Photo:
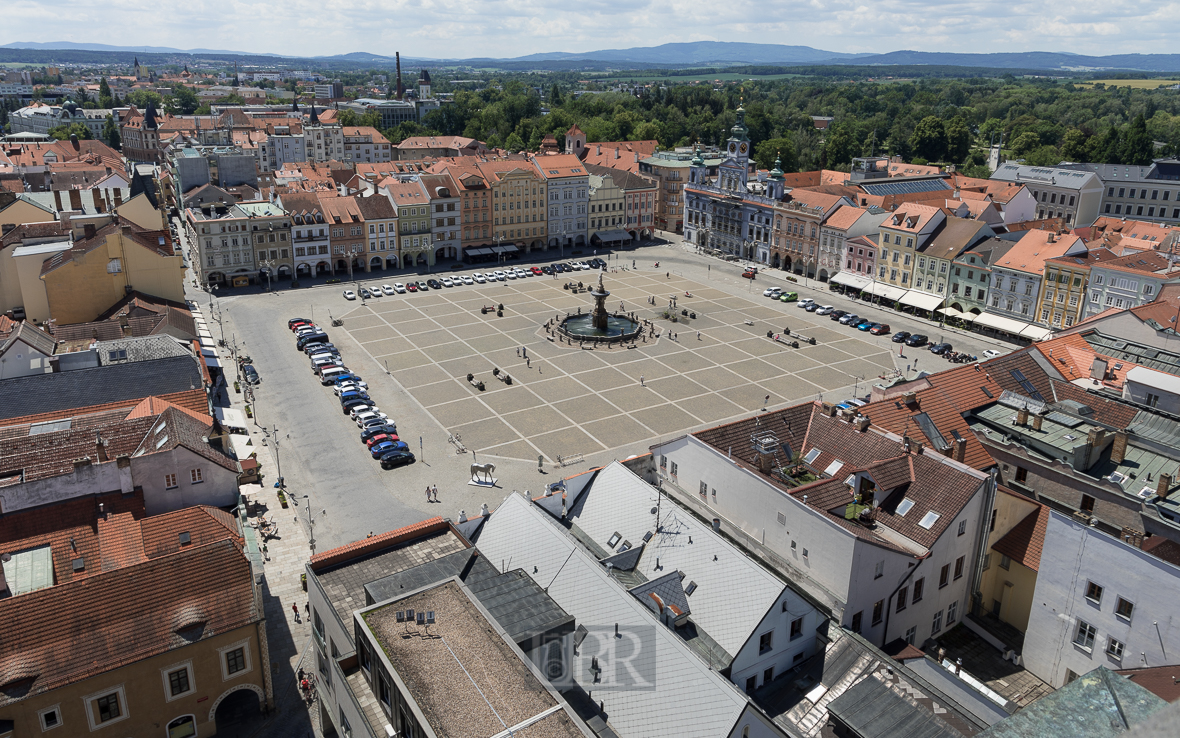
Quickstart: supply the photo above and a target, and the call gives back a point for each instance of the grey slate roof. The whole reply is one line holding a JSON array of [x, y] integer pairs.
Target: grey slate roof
[[44, 393], [144, 348], [669, 588], [873, 710]]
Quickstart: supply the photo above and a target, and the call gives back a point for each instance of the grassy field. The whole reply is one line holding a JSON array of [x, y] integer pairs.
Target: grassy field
[[1141, 84], [730, 77]]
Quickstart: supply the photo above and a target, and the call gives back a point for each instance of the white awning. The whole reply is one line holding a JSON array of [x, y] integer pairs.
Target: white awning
[[850, 279], [241, 446], [1008, 325], [230, 417], [1035, 332], [884, 290], [950, 312], [616, 235], [923, 300]]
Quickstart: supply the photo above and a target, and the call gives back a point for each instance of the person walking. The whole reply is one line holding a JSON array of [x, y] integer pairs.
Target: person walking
[[524, 351], [698, 335], [428, 493], [434, 489], [295, 609], [641, 384]]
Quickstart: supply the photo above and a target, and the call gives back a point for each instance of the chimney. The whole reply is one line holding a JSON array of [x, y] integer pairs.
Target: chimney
[[599, 151], [1161, 488], [1095, 438], [1052, 237], [1118, 451], [400, 90], [910, 399], [57, 200], [829, 409], [862, 423], [1022, 416], [88, 230], [100, 448], [765, 461], [75, 200], [960, 449], [1037, 420]]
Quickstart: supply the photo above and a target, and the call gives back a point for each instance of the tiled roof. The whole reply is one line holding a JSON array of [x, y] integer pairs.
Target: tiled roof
[[160, 534], [1023, 543], [844, 218], [938, 485], [31, 336], [158, 242], [80, 388], [1162, 681], [376, 208], [628, 181], [192, 401], [325, 560], [178, 427], [1163, 548], [955, 236], [819, 200], [46, 455], [124, 615], [45, 231], [1030, 252]]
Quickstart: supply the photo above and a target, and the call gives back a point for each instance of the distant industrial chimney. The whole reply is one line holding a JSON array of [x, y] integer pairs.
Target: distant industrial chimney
[[401, 91]]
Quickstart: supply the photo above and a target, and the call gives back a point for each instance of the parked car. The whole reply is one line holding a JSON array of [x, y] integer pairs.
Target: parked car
[[251, 373], [939, 349], [315, 338], [294, 322], [900, 336], [837, 314], [812, 306], [380, 449], [365, 293], [389, 289], [434, 284], [377, 430], [399, 288], [805, 302], [447, 282], [347, 406], [547, 270], [770, 292], [316, 348], [847, 319], [349, 295], [558, 268], [788, 297], [371, 419], [859, 322], [395, 459], [412, 287], [865, 325], [376, 438], [749, 274], [825, 310], [467, 280], [917, 340], [992, 353], [879, 329], [479, 278]]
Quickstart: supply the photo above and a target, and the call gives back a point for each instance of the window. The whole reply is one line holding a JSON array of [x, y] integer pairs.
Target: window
[[170, 481], [962, 527], [878, 611], [108, 707], [911, 635], [902, 595], [951, 612], [235, 660], [1087, 503], [705, 491], [1114, 649], [178, 682], [765, 642], [1094, 592], [880, 572], [673, 468], [50, 718], [1085, 635], [959, 567], [856, 619], [944, 576], [1124, 608], [796, 628], [936, 624], [195, 475], [918, 587], [1005, 562]]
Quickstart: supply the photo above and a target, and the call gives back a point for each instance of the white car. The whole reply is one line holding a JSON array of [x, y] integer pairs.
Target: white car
[[349, 295], [992, 353], [447, 282], [399, 288], [467, 280], [343, 387], [366, 417], [359, 383], [825, 310], [804, 302], [388, 289], [499, 276], [770, 291], [521, 274], [479, 278], [510, 274], [360, 409]]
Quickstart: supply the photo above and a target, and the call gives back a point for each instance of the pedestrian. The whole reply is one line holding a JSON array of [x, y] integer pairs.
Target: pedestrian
[[434, 489], [265, 553], [518, 351], [698, 335], [524, 351], [307, 608], [295, 609], [428, 493], [641, 384], [528, 362]]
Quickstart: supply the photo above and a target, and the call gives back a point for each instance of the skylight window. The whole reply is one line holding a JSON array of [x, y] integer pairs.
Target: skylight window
[[162, 441], [904, 507], [833, 467], [929, 520], [811, 456], [614, 540]]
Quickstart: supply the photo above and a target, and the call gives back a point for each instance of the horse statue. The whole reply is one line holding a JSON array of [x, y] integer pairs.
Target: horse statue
[[486, 469]]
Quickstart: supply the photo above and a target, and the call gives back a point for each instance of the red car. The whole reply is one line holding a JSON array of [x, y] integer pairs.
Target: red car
[[879, 329], [749, 274], [536, 271], [298, 323], [380, 437], [412, 286]]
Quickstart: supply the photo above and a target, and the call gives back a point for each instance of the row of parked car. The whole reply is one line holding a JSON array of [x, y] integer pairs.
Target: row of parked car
[[369, 292], [378, 431]]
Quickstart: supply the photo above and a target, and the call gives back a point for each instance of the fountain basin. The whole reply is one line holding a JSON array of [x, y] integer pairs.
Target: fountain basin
[[581, 328]]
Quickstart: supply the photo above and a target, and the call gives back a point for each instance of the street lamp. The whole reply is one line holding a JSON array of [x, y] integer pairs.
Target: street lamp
[[266, 265], [311, 518]]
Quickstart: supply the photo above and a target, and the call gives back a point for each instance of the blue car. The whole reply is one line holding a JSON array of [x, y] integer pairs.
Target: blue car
[[867, 325], [380, 449]]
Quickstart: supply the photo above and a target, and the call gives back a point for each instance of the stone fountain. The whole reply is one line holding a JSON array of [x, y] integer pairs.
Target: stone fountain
[[600, 325]]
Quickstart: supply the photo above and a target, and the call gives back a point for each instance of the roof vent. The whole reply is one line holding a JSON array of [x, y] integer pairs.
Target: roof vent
[[185, 539], [79, 564]]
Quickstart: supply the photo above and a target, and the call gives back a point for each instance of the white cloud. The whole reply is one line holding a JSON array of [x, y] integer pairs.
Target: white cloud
[[458, 29]]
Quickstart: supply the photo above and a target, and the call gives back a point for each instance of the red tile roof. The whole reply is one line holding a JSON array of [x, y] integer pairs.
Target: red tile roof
[[377, 544], [1162, 681], [1023, 543]]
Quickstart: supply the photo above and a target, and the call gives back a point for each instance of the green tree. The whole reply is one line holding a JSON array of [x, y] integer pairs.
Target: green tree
[[781, 148], [979, 171], [929, 139], [513, 142], [141, 98], [840, 146], [104, 90], [182, 101], [1025, 143], [1075, 145], [110, 133], [1044, 156], [1137, 146], [958, 140], [63, 133], [1106, 148]]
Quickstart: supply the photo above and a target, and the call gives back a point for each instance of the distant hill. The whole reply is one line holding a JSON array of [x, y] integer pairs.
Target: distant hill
[[1047, 60], [71, 46], [700, 52]]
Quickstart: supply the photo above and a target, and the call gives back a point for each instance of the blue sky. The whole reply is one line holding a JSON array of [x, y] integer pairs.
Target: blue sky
[[509, 28]]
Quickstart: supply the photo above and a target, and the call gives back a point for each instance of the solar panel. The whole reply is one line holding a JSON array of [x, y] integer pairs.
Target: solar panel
[[1026, 385], [1067, 420], [902, 186]]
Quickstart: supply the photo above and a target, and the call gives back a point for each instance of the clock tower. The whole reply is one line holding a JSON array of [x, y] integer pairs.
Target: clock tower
[[735, 170]]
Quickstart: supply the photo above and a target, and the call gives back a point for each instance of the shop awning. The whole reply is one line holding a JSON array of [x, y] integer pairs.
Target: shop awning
[[617, 235], [1000, 323], [922, 300], [850, 279], [212, 361], [950, 312], [230, 417], [1035, 332], [883, 290]]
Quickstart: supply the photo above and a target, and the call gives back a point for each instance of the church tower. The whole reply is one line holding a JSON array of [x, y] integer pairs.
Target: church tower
[[774, 184], [698, 173], [424, 85], [735, 170]]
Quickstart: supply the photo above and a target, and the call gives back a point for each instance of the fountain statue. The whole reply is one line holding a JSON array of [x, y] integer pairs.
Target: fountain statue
[[599, 325]]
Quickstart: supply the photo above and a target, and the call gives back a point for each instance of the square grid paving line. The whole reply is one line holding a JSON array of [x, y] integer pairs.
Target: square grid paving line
[[718, 329]]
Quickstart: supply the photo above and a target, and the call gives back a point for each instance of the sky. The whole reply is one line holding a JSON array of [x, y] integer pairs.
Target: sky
[[456, 29]]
